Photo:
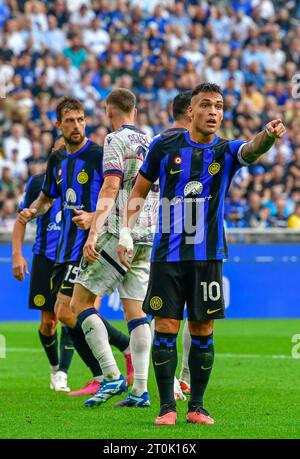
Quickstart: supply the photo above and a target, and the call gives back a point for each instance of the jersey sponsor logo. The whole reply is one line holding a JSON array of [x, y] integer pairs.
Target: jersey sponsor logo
[[156, 303], [177, 160], [71, 199], [179, 199], [214, 168], [193, 188], [212, 311], [82, 177], [176, 172], [39, 300], [71, 196], [55, 226], [58, 217]]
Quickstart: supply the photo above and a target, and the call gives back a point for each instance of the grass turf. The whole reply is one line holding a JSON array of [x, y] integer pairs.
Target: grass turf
[[251, 394]]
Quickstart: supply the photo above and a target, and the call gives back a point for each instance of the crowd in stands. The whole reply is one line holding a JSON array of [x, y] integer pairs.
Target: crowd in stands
[[156, 48]]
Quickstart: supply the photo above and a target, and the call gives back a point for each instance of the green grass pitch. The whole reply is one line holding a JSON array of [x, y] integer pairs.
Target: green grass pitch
[[254, 391]]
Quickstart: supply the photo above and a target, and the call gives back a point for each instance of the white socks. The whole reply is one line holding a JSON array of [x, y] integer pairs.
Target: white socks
[[140, 345], [97, 338], [186, 344]]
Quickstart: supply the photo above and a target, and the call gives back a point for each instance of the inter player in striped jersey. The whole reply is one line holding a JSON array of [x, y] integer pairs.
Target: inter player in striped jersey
[[195, 169], [182, 122], [101, 272], [74, 174], [40, 296]]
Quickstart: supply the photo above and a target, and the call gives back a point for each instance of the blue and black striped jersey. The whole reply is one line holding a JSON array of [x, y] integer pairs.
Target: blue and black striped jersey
[[76, 178], [48, 225], [194, 179]]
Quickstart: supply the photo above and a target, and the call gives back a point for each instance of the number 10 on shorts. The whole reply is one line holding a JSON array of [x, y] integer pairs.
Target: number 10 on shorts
[[211, 291]]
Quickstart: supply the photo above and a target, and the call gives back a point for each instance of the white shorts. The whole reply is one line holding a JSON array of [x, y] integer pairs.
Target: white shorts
[[107, 273]]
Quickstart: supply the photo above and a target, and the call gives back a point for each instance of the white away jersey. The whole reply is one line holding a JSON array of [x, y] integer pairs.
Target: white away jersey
[[124, 154]]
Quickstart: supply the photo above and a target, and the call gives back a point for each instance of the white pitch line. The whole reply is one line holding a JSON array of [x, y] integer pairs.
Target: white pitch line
[[254, 356], [222, 355]]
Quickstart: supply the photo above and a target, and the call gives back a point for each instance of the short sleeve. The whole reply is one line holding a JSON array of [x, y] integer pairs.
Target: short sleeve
[[151, 167], [113, 156], [30, 194], [236, 147], [50, 187]]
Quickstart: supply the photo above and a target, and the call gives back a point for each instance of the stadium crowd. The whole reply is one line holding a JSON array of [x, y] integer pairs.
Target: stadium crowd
[[156, 48]]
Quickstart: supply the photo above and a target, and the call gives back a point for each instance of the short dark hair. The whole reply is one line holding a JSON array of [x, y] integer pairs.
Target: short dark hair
[[207, 87], [123, 99], [68, 103], [181, 103]]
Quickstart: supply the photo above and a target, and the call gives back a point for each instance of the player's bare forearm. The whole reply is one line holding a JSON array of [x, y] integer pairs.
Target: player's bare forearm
[[42, 204], [263, 141], [106, 201], [18, 238], [19, 263], [136, 201], [39, 207]]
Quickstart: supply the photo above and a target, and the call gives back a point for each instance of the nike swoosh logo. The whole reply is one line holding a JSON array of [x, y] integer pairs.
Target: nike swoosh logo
[[65, 287], [59, 181], [161, 363], [211, 311], [69, 348], [205, 368], [176, 172], [49, 345]]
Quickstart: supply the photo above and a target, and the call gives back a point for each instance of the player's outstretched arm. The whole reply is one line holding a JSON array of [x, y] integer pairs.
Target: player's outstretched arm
[[19, 262], [39, 207], [263, 141], [134, 207]]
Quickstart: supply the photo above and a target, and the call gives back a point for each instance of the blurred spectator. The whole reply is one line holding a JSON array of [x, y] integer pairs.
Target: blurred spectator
[[279, 219], [76, 53], [264, 220], [252, 214], [8, 183], [17, 141], [167, 93], [235, 209], [8, 214]]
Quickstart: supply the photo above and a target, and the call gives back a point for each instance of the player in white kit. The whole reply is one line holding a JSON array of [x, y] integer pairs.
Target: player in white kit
[[101, 271]]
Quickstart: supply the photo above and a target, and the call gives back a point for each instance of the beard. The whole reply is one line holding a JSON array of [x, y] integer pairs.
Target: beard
[[71, 141]]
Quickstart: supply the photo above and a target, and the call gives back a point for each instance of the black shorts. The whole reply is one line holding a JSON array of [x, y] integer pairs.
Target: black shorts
[[40, 295], [198, 284], [63, 278]]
